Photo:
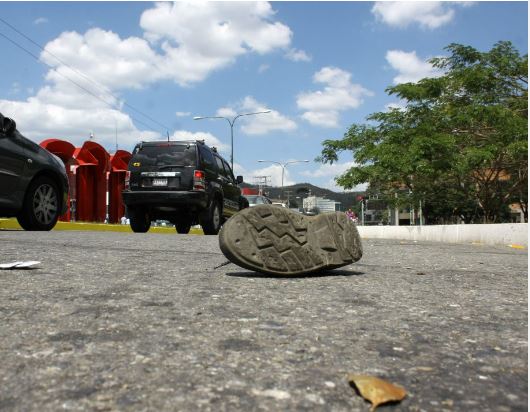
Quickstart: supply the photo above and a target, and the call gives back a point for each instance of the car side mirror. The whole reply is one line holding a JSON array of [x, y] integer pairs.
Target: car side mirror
[[8, 126], [239, 180]]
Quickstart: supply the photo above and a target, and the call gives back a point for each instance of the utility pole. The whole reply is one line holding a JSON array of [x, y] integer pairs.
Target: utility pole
[[288, 197], [283, 166], [261, 181]]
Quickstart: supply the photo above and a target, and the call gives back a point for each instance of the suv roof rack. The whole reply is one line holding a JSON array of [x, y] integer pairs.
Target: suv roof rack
[[150, 142]]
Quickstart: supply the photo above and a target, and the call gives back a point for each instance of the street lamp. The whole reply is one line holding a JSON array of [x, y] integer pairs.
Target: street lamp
[[230, 121], [283, 165]]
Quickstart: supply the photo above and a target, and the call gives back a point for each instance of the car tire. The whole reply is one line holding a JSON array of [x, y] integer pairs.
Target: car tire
[[183, 226], [140, 220], [211, 219], [243, 203], [41, 207]]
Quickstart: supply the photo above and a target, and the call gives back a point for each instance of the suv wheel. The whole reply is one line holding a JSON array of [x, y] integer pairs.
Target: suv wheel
[[183, 226], [211, 220], [140, 220], [40, 210]]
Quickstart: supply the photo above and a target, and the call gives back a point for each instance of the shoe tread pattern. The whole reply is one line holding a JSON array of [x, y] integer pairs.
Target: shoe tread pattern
[[280, 241]]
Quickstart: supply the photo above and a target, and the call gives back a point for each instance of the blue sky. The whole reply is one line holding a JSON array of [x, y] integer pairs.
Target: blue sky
[[145, 68]]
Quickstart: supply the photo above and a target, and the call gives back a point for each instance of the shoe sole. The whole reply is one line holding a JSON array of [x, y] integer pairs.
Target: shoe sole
[[278, 241]]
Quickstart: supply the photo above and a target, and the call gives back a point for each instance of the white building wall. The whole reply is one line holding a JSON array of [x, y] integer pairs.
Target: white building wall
[[324, 205], [491, 234]]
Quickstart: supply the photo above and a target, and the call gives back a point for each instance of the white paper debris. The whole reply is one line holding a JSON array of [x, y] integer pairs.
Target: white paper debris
[[19, 264]]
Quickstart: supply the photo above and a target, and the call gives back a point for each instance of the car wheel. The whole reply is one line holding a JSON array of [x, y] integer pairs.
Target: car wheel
[[243, 203], [140, 220], [183, 226], [41, 207], [211, 221]]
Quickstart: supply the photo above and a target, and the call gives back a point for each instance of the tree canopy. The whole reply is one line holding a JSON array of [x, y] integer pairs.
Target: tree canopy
[[459, 144]]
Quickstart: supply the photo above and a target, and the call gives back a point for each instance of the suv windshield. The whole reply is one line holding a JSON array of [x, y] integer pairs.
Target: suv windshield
[[166, 155]]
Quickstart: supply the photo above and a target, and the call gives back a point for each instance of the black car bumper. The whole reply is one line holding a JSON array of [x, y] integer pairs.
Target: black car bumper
[[187, 199]]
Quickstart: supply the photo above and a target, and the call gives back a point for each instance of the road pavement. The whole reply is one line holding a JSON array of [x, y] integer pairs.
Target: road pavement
[[144, 322]]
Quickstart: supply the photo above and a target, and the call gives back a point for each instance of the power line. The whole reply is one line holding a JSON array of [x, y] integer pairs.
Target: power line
[[99, 86]]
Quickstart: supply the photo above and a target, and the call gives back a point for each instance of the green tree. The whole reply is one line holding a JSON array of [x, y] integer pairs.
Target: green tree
[[459, 145]]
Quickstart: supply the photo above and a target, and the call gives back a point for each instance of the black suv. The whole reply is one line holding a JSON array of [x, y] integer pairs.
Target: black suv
[[184, 182], [33, 182]]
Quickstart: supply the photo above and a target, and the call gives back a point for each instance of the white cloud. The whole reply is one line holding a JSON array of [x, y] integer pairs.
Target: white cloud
[[39, 121], [410, 67], [241, 171], [322, 107], [40, 20], [334, 169], [297, 56], [226, 112], [182, 114], [104, 64], [104, 58], [259, 124], [428, 14], [263, 68], [332, 185], [209, 138], [325, 119], [227, 30]]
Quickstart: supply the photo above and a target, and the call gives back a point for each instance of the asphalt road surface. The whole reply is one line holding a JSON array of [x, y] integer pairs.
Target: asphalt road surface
[[145, 322]]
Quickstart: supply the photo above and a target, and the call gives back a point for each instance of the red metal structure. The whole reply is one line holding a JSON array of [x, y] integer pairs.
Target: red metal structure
[[249, 191], [116, 183], [96, 180], [92, 186], [84, 171]]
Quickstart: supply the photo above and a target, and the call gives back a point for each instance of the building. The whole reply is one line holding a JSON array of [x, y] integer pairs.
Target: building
[[315, 204]]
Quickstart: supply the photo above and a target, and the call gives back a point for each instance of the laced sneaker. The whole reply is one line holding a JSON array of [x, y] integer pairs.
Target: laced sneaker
[[278, 241]]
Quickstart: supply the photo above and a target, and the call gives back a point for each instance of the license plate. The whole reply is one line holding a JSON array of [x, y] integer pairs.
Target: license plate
[[159, 182]]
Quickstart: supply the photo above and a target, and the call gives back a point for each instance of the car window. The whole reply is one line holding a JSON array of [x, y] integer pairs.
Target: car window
[[165, 155], [207, 158], [220, 166], [229, 173]]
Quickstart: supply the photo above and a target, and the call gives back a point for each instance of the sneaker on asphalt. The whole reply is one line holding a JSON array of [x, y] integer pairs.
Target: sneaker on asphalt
[[278, 241]]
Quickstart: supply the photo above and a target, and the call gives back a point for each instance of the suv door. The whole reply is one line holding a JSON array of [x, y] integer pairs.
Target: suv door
[[234, 192], [208, 165], [230, 189], [13, 159]]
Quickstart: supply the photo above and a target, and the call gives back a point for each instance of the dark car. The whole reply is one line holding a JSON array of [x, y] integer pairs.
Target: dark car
[[33, 182], [184, 182], [254, 200]]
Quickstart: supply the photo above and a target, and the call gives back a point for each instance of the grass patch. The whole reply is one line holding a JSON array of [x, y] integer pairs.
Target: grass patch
[[12, 224]]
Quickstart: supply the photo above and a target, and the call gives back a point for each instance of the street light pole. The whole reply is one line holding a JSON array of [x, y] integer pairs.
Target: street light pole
[[231, 122], [283, 165]]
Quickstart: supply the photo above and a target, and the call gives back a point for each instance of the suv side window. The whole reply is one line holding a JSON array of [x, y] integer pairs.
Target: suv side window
[[207, 158], [220, 166], [229, 173]]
